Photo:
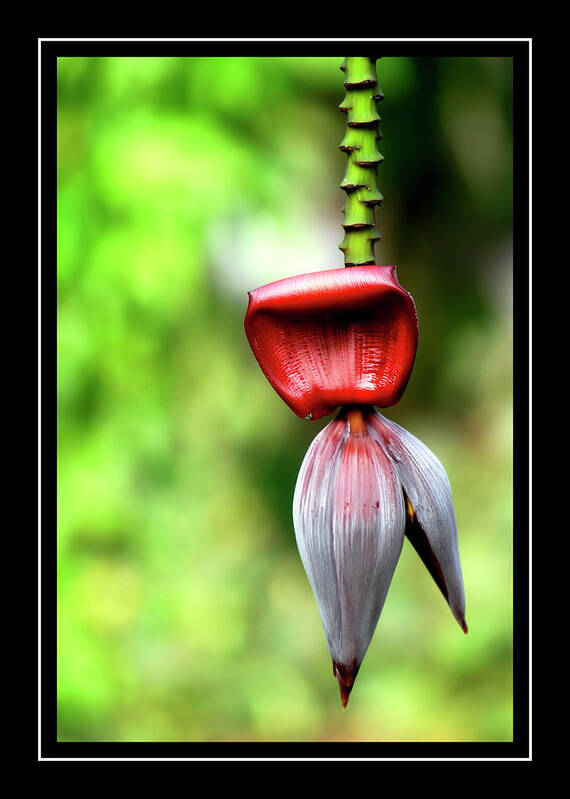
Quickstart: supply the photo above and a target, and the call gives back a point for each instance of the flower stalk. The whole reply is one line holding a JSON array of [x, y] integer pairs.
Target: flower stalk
[[360, 145]]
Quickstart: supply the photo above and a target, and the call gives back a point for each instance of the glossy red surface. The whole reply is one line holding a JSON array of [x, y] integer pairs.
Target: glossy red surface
[[336, 337]]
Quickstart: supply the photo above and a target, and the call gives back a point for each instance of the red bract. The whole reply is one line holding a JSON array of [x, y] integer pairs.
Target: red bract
[[335, 337]]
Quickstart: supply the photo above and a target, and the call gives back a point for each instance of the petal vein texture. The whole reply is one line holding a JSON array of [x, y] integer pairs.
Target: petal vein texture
[[335, 337], [433, 531], [349, 518]]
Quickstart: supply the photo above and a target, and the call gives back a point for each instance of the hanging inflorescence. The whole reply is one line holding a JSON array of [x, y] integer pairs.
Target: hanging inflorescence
[[345, 340]]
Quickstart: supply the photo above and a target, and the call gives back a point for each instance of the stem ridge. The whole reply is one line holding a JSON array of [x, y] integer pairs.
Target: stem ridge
[[360, 145]]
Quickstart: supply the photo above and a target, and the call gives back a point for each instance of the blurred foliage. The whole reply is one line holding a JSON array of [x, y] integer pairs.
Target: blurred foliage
[[184, 611]]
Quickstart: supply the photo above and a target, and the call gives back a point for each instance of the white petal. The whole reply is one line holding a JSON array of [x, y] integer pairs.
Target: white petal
[[312, 518], [349, 519], [434, 533]]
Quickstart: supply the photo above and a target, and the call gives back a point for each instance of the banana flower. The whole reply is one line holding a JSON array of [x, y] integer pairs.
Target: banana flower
[[348, 338]]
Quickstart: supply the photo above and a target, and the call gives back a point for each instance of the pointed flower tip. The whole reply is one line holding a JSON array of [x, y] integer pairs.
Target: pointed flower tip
[[346, 676], [459, 615], [460, 618]]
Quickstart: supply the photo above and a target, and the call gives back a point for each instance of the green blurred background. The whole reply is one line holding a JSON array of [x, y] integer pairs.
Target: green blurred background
[[184, 612]]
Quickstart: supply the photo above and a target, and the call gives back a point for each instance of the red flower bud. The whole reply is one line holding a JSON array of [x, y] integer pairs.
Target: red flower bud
[[335, 337]]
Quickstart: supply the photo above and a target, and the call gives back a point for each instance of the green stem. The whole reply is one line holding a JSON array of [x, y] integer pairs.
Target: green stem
[[362, 133]]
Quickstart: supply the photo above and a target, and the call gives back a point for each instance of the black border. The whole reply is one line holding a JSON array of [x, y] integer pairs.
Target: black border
[[519, 748]]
